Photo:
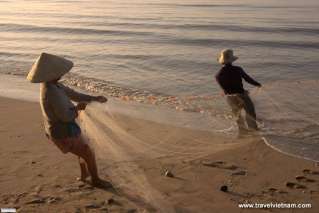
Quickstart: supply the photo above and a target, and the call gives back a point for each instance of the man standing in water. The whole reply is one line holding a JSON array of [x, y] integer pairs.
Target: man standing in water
[[230, 79], [59, 113]]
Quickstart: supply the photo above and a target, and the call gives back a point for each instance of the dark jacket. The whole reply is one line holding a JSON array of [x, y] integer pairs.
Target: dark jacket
[[230, 78]]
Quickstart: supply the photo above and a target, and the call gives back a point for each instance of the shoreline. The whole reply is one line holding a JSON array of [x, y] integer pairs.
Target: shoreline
[[287, 153], [252, 171], [217, 123], [178, 102]]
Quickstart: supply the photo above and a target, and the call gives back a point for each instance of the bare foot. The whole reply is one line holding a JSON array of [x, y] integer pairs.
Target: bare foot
[[81, 179], [84, 176], [99, 183], [84, 173]]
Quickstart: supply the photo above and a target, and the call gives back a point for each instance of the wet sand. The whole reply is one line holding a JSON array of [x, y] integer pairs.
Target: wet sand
[[36, 177]]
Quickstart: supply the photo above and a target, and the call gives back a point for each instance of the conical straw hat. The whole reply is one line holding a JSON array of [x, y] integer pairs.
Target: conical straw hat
[[227, 56], [49, 67]]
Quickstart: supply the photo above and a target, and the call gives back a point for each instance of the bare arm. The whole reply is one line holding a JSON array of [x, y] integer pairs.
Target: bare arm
[[77, 96]]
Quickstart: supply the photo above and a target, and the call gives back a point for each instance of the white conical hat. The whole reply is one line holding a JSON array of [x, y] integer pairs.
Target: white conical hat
[[49, 67], [227, 56]]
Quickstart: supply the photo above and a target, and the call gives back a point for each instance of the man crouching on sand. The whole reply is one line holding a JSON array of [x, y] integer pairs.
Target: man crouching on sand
[[230, 79], [59, 113]]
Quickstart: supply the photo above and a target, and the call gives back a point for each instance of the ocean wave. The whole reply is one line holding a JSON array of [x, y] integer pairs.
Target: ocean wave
[[147, 25], [68, 30], [154, 37], [159, 39], [236, 6], [290, 116], [18, 56], [241, 42], [192, 103]]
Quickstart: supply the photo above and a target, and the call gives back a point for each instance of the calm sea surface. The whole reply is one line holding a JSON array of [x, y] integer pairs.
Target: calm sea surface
[[163, 45], [170, 47]]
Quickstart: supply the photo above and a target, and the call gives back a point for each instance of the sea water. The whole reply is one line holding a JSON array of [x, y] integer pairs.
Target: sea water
[[166, 46], [163, 53]]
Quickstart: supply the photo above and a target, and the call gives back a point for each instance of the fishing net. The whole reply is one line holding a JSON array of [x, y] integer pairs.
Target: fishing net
[[289, 117], [126, 134]]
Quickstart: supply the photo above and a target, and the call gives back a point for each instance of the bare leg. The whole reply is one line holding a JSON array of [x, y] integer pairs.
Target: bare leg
[[84, 170], [84, 151]]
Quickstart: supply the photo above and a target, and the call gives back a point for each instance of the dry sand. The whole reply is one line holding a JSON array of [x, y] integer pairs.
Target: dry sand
[[36, 177]]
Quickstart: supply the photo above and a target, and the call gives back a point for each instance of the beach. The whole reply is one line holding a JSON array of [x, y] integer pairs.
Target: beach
[[162, 54], [36, 177], [166, 139]]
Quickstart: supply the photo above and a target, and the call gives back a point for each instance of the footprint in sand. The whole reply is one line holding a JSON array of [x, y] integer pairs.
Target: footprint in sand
[[304, 179], [219, 164], [273, 191], [293, 185], [39, 200], [310, 172], [241, 172], [269, 191]]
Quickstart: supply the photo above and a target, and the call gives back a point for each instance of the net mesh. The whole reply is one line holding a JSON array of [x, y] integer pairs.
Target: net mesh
[[125, 135]]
